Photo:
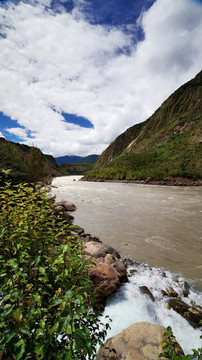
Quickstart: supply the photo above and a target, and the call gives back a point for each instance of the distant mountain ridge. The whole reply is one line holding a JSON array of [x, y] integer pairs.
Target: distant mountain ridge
[[168, 144], [73, 159]]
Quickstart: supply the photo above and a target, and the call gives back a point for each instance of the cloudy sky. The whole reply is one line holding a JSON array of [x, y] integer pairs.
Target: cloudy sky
[[74, 74]]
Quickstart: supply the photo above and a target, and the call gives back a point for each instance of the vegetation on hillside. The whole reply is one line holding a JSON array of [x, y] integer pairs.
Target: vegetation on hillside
[[47, 299], [167, 145], [75, 169], [26, 163]]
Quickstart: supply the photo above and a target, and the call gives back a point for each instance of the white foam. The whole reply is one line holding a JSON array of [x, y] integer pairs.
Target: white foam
[[129, 306]]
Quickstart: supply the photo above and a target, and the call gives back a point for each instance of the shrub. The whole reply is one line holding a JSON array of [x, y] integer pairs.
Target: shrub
[[172, 350], [46, 295]]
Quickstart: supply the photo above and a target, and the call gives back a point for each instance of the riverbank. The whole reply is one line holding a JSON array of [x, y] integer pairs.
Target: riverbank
[[156, 296], [172, 182], [158, 225]]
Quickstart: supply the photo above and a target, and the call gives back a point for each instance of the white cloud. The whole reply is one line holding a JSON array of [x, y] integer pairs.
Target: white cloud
[[19, 132], [60, 61]]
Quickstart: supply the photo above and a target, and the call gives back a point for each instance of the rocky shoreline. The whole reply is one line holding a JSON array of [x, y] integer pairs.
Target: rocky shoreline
[[108, 274], [172, 182]]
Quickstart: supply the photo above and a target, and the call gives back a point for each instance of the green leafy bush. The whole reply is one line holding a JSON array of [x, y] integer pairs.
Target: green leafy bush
[[46, 297], [172, 351]]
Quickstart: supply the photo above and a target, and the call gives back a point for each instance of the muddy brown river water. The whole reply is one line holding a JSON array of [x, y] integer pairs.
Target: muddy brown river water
[[158, 225]]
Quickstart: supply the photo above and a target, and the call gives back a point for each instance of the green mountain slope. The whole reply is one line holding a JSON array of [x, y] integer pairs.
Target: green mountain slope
[[167, 145], [26, 163]]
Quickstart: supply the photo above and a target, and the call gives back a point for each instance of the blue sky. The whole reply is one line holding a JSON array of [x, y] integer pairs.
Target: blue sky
[[74, 74]]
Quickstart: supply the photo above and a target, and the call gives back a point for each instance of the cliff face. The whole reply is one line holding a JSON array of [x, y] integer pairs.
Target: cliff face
[[26, 163], [168, 141]]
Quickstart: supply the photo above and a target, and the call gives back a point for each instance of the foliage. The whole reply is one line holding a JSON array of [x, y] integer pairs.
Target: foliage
[[35, 166], [172, 351], [27, 164], [169, 159], [75, 169], [47, 299], [10, 158]]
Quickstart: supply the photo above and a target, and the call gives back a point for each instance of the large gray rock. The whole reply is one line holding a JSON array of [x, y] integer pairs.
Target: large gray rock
[[100, 250], [192, 314], [140, 341], [67, 205]]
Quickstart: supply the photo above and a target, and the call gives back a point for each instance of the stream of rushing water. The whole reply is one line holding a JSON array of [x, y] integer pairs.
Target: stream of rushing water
[[156, 225]]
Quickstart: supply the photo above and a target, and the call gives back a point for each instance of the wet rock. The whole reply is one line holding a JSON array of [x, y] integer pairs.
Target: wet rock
[[140, 341], [109, 259], [191, 313], [67, 216], [98, 249], [186, 288], [171, 292], [106, 249], [128, 262], [105, 278], [59, 207], [121, 269], [78, 230], [148, 180], [164, 293], [144, 290], [67, 205], [118, 265]]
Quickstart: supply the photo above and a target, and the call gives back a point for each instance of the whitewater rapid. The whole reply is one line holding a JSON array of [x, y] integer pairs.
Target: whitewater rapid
[[129, 305]]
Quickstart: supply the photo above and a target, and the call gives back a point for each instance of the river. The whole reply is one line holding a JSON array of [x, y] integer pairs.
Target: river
[[156, 225]]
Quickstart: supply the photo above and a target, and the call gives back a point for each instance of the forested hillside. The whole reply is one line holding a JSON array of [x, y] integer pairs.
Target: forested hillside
[[26, 163]]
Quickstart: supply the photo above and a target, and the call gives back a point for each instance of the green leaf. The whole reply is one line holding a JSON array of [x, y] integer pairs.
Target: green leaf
[[69, 294], [42, 270], [39, 350], [55, 302], [25, 331], [37, 298], [10, 335], [55, 327], [17, 314], [20, 345]]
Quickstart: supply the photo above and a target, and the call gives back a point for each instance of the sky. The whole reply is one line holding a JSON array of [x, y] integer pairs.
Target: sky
[[75, 74]]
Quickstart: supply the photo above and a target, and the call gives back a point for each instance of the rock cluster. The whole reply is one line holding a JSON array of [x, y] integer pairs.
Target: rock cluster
[[109, 270]]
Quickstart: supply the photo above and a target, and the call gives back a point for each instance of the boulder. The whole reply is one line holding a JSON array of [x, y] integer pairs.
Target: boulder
[[186, 289], [77, 230], [140, 341], [91, 247], [67, 205], [105, 278], [100, 249], [144, 290], [192, 314], [67, 216], [171, 292], [121, 269]]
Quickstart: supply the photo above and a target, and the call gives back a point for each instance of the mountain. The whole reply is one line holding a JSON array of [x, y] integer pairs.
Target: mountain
[[26, 163], [165, 146], [76, 159]]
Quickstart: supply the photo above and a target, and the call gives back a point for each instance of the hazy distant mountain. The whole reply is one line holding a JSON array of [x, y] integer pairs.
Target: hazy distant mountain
[[166, 145], [76, 159]]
